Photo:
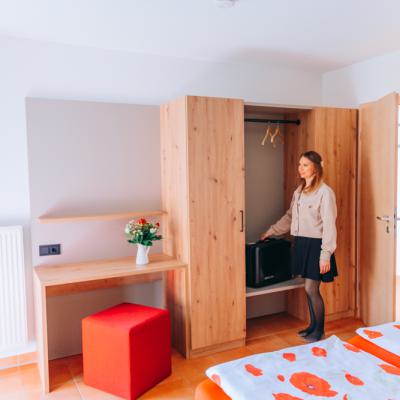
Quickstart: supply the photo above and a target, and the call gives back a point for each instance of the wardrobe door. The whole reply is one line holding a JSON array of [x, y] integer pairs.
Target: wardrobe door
[[335, 135], [332, 132], [216, 204], [377, 209]]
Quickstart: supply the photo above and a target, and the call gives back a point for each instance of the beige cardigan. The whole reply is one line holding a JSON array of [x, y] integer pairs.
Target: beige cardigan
[[311, 215]]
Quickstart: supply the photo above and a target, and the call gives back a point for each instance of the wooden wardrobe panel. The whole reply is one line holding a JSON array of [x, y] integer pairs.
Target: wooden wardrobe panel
[[175, 228], [377, 197], [216, 199], [332, 132], [335, 132]]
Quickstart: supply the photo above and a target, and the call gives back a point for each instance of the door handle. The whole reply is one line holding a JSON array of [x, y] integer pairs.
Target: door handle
[[241, 221], [385, 218]]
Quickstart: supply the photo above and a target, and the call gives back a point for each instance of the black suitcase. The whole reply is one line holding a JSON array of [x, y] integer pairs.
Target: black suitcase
[[267, 262]]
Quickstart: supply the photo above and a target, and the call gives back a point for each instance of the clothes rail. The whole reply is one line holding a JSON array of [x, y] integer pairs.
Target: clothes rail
[[273, 121]]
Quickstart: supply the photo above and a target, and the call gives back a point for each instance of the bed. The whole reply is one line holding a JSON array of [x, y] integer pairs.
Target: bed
[[368, 365]]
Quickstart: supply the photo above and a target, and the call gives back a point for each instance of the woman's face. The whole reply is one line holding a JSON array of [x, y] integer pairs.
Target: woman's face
[[306, 168]]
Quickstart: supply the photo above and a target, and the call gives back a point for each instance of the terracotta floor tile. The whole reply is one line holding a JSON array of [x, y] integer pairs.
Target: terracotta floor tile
[[9, 371], [10, 385], [7, 362], [67, 392], [30, 377], [172, 391], [266, 344], [90, 393]]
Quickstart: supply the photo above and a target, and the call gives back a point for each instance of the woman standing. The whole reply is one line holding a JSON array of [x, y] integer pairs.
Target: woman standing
[[311, 219]]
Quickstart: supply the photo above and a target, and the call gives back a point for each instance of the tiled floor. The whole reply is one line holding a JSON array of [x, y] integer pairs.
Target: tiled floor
[[265, 334]]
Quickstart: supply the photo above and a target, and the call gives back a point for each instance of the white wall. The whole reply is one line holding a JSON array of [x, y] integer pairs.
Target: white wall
[[88, 158], [38, 69], [362, 82]]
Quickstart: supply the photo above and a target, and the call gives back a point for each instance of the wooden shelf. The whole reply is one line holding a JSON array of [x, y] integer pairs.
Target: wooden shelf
[[47, 219], [62, 274], [278, 287]]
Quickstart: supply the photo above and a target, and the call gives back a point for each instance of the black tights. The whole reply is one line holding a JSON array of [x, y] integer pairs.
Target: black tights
[[316, 307]]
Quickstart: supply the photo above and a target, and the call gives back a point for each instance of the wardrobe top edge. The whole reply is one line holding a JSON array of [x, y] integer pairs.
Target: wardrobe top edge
[[264, 109]]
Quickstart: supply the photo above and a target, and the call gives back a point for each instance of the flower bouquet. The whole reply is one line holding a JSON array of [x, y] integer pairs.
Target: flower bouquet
[[143, 234]]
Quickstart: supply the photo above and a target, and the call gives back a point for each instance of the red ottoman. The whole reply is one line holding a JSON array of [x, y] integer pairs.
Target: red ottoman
[[126, 349]]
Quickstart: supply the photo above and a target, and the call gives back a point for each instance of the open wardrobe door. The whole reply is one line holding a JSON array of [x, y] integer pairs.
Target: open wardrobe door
[[377, 198]]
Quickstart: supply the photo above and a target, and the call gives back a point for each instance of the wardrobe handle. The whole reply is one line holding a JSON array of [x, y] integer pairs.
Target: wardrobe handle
[[241, 221]]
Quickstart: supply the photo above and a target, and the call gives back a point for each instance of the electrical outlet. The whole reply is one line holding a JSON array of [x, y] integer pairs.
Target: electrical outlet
[[49, 249]]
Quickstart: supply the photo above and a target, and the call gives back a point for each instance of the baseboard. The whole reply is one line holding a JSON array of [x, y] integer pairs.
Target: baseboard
[[340, 315], [18, 356], [205, 351]]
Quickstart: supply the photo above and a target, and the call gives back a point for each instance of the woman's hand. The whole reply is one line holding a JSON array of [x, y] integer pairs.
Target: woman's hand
[[324, 266], [265, 235]]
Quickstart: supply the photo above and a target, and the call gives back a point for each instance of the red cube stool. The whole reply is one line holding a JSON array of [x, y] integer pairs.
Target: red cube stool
[[126, 349]]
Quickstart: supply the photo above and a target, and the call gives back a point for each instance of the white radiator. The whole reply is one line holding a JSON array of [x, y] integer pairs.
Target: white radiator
[[13, 321]]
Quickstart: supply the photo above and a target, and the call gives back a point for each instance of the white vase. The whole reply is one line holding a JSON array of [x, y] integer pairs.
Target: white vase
[[142, 255]]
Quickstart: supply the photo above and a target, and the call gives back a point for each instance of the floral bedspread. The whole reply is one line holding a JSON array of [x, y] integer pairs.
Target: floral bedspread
[[326, 369], [386, 336]]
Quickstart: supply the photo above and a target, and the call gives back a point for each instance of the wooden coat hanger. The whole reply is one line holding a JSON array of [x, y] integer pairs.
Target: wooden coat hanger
[[267, 134]]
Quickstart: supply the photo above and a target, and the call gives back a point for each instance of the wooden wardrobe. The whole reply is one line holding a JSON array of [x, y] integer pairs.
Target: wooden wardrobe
[[202, 160]]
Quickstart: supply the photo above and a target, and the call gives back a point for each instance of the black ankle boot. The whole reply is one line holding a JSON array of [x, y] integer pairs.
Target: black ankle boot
[[306, 331], [314, 336]]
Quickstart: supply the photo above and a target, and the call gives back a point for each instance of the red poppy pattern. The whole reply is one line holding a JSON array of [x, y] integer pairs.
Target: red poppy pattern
[[312, 384], [285, 396], [354, 380], [319, 352], [281, 378], [372, 334], [351, 347], [289, 356], [390, 369], [251, 369]]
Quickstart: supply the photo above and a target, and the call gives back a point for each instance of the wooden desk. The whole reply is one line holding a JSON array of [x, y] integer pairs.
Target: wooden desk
[[72, 278]]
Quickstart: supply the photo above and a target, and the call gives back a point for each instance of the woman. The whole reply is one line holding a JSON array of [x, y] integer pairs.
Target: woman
[[311, 219]]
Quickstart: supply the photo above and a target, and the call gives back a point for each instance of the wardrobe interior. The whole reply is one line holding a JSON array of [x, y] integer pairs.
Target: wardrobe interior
[[270, 179], [266, 148]]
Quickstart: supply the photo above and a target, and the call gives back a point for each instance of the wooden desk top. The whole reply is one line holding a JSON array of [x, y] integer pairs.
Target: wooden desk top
[[52, 275]]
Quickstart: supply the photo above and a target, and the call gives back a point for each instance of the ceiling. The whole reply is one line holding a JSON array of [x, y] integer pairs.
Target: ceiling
[[310, 34]]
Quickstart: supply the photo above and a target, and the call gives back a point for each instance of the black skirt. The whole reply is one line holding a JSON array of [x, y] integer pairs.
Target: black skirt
[[305, 259]]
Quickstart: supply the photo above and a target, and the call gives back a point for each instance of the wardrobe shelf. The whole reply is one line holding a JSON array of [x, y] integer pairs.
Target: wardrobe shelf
[[47, 219], [277, 287]]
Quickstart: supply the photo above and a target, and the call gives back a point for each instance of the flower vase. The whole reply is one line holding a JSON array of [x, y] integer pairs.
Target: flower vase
[[142, 255]]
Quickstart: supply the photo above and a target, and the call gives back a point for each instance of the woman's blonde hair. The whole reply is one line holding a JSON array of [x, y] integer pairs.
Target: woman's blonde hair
[[316, 159]]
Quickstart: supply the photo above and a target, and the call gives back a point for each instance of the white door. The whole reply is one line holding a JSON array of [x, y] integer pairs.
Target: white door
[[377, 201]]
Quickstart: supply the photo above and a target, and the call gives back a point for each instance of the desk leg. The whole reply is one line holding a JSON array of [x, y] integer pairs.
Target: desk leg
[[176, 291], [41, 333]]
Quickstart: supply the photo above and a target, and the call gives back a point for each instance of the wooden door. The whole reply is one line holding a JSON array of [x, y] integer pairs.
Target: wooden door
[[216, 204], [335, 135], [377, 199], [332, 132]]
